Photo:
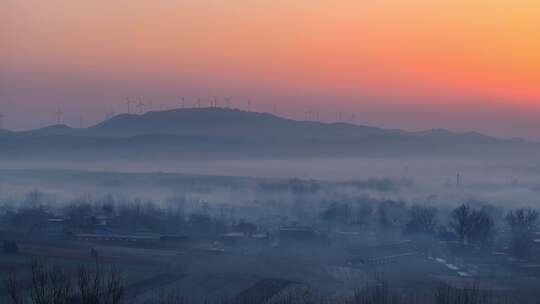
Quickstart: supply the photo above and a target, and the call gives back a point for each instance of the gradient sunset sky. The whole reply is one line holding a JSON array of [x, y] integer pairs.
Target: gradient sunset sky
[[409, 64]]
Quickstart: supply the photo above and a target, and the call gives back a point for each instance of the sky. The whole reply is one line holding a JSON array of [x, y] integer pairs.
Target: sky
[[409, 64]]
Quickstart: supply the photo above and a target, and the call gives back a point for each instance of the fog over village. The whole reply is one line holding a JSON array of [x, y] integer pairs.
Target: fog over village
[[198, 185]]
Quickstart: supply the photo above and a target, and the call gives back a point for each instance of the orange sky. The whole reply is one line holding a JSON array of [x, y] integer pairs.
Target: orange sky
[[451, 57]]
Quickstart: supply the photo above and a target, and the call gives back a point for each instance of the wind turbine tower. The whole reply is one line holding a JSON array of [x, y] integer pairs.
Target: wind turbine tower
[[58, 114], [1, 121], [308, 115], [140, 106], [128, 103]]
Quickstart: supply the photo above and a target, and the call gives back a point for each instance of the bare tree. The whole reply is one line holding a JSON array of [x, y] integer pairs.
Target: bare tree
[[97, 287], [473, 226], [523, 223], [13, 288], [472, 294], [422, 220], [482, 228], [461, 222], [51, 284]]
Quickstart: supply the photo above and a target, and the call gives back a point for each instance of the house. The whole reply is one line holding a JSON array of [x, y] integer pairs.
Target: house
[[536, 245], [296, 233], [116, 237], [55, 226]]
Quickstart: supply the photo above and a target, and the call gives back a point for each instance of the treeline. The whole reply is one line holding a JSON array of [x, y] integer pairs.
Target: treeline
[[121, 213], [473, 226]]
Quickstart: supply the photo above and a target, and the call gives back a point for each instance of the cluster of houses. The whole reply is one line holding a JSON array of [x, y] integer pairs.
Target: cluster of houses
[[103, 229]]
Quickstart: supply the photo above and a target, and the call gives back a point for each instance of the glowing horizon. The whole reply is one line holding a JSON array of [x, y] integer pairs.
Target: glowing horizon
[[414, 64]]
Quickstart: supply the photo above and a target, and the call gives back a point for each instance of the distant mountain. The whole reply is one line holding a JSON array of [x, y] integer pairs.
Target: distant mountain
[[222, 122], [52, 130], [229, 133]]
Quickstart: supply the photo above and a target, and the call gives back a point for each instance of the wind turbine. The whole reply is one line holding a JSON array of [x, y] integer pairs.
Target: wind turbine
[[140, 106], [308, 115], [215, 102], [58, 114], [128, 103], [183, 102]]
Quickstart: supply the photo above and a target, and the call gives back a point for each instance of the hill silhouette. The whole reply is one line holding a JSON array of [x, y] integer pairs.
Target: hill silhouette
[[220, 132]]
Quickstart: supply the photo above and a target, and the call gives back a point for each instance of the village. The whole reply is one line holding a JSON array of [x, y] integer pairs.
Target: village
[[220, 251]]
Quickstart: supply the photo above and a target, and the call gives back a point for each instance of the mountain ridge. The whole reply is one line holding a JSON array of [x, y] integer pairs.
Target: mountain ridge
[[221, 132], [139, 119]]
